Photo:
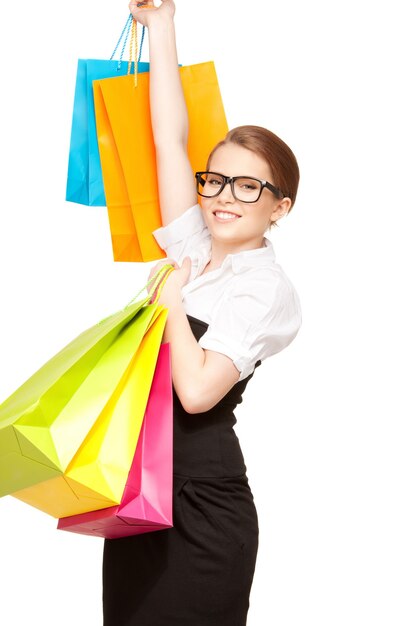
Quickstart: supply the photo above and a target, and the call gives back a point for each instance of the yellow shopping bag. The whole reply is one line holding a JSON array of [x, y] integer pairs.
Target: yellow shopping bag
[[127, 151]]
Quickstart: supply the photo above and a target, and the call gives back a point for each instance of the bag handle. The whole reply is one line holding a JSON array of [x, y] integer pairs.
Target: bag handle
[[125, 32], [135, 55], [130, 28], [160, 278]]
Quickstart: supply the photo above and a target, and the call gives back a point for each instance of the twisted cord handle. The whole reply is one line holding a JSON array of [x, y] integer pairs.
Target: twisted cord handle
[[160, 278], [125, 30], [133, 43], [129, 29]]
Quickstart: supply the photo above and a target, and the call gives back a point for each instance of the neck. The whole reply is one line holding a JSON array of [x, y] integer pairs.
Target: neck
[[220, 249]]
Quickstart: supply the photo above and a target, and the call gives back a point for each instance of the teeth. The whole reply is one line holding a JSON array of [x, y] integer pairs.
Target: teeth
[[225, 216]]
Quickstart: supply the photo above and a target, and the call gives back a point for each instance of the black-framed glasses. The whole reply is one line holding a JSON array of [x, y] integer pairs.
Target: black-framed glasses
[[243, 188]]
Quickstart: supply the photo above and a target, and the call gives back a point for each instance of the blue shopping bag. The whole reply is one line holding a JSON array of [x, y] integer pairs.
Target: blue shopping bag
[[84, 176]]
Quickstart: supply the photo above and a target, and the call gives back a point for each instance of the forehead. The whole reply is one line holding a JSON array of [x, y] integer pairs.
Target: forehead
[[234, 160]]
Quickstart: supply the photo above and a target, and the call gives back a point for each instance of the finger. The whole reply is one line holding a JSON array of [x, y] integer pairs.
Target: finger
[[172, 262], [161, 264], [137, 7], [141, 5], [153, 271]]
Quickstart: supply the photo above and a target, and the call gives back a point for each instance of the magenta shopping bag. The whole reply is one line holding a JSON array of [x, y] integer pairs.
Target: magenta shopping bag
[[147, 499]]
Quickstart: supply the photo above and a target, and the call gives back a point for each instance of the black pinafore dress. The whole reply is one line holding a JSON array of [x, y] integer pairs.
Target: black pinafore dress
[[198, 573]]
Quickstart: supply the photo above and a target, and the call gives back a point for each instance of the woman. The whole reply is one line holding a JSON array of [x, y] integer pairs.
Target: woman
[[230, 306]]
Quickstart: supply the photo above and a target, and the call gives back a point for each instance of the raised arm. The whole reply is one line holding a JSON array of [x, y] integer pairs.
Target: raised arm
[[201, 377], [168, 110]]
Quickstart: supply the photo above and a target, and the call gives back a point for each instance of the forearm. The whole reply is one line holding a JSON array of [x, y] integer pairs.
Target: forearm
[[201, 377], [169, 114], [187, 359], [169, 118]]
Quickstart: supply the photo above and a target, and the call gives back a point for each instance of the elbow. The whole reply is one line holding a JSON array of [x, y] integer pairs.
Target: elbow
[[167, 145], [194, 402]]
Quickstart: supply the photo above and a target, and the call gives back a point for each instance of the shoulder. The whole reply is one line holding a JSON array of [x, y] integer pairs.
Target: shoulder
[[257, 315], [265, 285]]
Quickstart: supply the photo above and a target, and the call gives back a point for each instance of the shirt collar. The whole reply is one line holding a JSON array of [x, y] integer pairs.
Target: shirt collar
[[259, 257], [240, 261]]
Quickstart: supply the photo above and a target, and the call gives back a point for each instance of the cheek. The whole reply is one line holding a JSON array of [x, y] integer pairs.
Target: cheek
[[205, 204], [261, 214]]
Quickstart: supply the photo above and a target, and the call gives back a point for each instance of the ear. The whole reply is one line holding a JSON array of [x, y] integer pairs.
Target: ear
[[282, 208]]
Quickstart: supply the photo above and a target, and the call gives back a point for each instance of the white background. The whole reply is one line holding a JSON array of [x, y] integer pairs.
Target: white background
[[321, 424]]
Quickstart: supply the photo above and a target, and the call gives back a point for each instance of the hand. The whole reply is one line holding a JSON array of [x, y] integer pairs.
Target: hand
[[155, 269], [171, 292], [147, 12]]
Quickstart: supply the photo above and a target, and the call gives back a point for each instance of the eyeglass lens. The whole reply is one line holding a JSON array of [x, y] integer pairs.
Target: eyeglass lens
[[244, 189]]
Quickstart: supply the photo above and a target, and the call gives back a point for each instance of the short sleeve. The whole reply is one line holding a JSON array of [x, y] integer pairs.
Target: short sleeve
[[184, 234], [248, 327]]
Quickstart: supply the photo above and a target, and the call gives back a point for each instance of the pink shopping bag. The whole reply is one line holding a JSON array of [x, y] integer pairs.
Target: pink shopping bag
[[147, 499]]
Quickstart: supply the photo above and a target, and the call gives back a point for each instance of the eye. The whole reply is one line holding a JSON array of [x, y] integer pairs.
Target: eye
[[213, 180], [247, 184]]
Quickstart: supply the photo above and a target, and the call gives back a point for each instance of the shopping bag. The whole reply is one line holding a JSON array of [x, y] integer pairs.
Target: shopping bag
[[63, 425], [84, 176], [147, 500], [96, 475], [127, 152]]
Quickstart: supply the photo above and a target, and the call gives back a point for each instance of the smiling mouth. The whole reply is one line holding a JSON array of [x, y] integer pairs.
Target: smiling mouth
[[225, 215]]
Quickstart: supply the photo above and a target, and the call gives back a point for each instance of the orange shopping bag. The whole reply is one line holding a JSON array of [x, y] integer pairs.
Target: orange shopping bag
[[127, 152]]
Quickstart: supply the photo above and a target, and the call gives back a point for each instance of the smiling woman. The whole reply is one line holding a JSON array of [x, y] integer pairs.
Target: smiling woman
[[230, 306]]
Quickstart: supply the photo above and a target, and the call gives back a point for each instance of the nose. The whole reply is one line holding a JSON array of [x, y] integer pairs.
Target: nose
[[226, 195]]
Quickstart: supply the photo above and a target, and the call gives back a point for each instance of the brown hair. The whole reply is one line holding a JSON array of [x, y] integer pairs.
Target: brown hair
[[273, 150]]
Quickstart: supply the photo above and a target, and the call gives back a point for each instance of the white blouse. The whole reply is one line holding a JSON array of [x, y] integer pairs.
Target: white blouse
[[252, 308]]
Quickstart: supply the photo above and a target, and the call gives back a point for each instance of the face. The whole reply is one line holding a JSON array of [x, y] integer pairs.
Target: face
[[234, 222]]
